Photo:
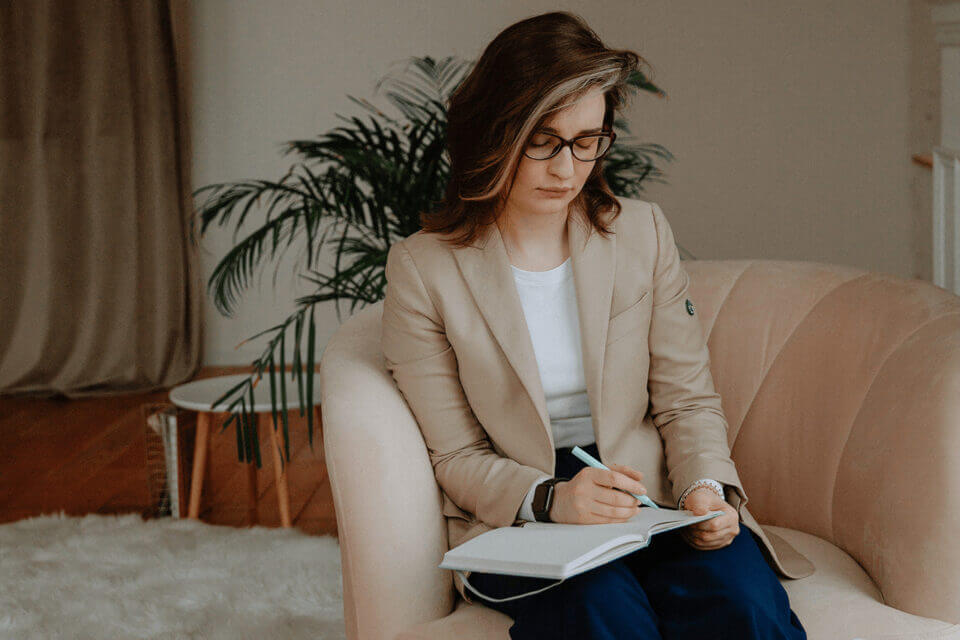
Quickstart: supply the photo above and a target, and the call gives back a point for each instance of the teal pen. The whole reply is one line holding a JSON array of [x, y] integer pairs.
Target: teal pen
[[593, 462]]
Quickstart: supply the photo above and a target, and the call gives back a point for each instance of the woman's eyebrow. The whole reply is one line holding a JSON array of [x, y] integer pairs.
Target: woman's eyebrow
[[594, 130]]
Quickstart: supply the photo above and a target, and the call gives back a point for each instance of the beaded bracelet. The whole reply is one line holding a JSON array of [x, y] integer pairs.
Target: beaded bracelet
[[712, 484]]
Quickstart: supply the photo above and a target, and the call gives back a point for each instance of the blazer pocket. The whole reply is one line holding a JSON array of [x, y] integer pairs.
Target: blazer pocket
[[627, 320]]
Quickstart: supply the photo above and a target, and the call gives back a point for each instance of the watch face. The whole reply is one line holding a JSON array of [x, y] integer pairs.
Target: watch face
[[542, 500]]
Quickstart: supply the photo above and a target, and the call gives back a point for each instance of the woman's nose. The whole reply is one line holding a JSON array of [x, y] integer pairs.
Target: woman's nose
[[561, 165]]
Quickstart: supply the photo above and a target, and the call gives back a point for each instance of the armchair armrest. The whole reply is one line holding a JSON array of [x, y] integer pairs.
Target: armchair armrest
[[897, 493], [842, 390], [388, 505]]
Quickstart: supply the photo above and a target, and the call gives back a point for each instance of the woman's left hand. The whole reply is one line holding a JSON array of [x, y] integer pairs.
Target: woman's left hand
[[714, 533]]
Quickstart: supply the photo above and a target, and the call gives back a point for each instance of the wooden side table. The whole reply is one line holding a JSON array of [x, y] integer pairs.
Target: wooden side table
[[199, 396]]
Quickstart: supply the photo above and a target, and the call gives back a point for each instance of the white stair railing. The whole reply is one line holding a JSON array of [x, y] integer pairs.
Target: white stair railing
[[946, 219], [946, 157]]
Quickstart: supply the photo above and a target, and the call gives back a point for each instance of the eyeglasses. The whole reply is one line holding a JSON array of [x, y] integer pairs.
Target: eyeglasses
[[585, 148]]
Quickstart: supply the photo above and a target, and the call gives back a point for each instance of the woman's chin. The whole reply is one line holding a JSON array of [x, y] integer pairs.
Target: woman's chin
[[549, 203], [541, 205]]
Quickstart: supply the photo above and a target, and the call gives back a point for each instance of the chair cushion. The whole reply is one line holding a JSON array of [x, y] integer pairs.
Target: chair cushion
[[838, 602]]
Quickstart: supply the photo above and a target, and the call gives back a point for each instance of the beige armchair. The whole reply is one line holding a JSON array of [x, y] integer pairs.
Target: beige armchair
[[842, 391]]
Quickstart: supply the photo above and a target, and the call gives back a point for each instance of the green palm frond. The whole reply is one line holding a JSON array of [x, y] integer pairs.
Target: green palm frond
[[357, 189]]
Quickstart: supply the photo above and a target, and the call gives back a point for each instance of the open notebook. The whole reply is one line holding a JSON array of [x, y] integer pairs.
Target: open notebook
[[560, 551]]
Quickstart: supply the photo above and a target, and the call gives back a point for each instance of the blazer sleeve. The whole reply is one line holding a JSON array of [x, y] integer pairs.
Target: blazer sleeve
[[423, 364], [684, 405]]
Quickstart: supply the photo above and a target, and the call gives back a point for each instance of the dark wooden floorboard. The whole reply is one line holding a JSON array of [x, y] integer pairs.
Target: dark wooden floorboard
[[88, 456]]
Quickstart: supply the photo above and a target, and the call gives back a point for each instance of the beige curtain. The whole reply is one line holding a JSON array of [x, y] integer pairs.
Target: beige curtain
[[99, 282]]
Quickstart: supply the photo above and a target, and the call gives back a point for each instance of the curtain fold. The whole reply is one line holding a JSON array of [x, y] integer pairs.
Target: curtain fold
[[100, 289]]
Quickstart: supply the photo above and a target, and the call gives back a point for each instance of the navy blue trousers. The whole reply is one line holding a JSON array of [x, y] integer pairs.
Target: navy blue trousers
[[667, 590]]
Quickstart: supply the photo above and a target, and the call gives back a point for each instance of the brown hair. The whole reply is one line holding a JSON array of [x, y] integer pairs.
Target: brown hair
[[531, 69]]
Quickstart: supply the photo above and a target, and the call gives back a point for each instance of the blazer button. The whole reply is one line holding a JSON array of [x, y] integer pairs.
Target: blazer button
[[689, 307]]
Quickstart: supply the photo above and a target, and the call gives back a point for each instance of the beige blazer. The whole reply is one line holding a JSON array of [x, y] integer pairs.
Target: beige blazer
[[455, 339]]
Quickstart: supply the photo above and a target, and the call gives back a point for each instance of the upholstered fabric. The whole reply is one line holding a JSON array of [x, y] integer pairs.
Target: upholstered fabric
[[841, 389]]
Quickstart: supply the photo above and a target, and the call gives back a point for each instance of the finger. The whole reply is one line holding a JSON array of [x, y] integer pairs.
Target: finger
[[617, 498], [714, 524], [701, 546], [718, 544], [696, 527], [702, 526], [705, 531], [717, 536], [711, 542], [693, 542], [699, 506], [701, 537], [726, 527], [612, 479], [617, 480], [629, 471], [726, 521]]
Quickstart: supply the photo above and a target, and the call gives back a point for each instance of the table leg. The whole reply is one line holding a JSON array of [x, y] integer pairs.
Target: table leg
[[283, 492], [200, 447]]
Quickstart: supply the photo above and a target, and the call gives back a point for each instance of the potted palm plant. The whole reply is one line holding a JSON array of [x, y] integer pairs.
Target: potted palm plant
[[368, 181]]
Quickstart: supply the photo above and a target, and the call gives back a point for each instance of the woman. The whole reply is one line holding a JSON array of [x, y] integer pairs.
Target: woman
[[535, 312]]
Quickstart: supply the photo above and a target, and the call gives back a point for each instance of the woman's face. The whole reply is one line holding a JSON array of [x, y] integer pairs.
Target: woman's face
[[528, 194]]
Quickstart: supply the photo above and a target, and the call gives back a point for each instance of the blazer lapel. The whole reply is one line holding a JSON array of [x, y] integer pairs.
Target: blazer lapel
[[486, 268], [594, 268]]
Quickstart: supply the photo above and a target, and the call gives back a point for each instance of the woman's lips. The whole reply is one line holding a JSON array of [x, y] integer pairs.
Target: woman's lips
[[553, 193]]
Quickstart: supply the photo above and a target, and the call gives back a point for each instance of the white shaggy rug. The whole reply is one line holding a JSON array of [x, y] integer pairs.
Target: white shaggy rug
[[124, 577]]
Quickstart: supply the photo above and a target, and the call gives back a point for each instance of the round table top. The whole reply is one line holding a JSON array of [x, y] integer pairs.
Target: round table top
[[200, 394]]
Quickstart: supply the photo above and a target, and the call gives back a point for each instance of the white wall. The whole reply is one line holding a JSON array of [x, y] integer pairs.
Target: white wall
[[790, 121]]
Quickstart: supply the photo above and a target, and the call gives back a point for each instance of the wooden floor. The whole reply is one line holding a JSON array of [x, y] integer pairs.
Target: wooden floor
[[88, 456]]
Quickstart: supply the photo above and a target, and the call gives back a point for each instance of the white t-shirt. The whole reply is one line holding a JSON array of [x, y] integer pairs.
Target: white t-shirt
[[549, 303], [550, 308]]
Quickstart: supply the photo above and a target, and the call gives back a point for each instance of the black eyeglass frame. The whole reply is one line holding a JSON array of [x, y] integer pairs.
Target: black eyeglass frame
[[569, 143]]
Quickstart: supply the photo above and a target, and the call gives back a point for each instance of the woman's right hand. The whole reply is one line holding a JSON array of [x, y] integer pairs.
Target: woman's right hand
[[589, 497]]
